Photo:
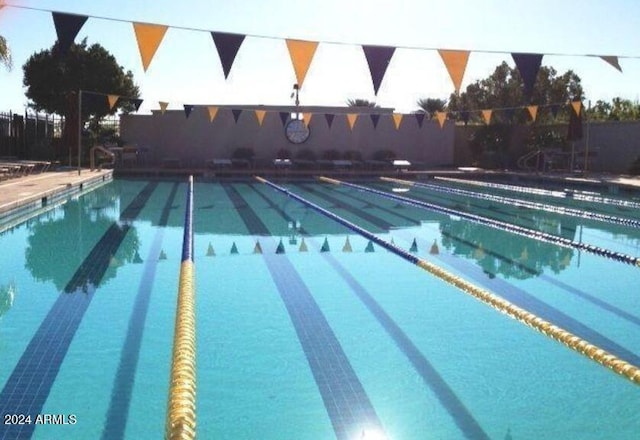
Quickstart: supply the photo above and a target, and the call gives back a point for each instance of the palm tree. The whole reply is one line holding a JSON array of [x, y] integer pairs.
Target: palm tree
[[431, 105], [360, 103], [5, 53]]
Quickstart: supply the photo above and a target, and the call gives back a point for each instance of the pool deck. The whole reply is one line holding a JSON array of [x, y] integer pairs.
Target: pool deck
[[31, 189], [22, 191]]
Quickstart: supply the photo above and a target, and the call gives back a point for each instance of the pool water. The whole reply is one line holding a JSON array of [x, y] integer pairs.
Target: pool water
[[330, 337]]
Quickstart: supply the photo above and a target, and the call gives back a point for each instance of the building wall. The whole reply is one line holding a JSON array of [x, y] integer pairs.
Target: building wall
[[195, 140]]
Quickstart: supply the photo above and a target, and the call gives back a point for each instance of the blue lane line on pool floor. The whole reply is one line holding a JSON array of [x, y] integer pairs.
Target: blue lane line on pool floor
[[118, 412], [28, 387], [344, 397]]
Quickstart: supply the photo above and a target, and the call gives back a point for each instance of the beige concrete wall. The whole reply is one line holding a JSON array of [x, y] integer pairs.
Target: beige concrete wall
[[196, 140]]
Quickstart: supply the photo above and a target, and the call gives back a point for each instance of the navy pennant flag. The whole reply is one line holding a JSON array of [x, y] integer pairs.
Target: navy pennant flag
[[528, 64], [67, 28], [375, 117], [228, 46], [284, 117], [420, 118], [378, 58], [187, 109], [136, 103], [329, 117], [236, 114]]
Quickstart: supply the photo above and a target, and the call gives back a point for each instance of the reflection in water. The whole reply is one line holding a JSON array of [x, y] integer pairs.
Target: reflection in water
[[59, 244], [499, 252], [7, 295]]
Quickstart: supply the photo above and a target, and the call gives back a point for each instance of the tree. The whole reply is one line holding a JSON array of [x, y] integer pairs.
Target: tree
[[5, 53], [431, 105], [361, 103], [618, 110], [503, 92]]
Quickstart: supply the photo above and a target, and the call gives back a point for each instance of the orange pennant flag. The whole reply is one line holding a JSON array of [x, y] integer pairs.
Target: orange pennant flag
[[306, 117], [397, 119], [301, 53], [533, 111], [577, 105], [456, 63], [352, 117], [163, 106], [613, 60], [260, 115], [213, 111], [486, 115], [112, 101], [149, 37], [441, 117]]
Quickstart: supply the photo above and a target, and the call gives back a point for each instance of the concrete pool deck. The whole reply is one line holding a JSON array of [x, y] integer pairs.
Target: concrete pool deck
[[36, 189]]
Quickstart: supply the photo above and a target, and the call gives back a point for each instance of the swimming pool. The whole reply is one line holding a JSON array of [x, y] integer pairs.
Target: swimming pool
[[309, 331]]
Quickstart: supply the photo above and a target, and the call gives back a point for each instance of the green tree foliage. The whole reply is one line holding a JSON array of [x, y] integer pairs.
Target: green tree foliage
[[5, 53], [430, 106], [617, 110], [503, 89], [50, 77]]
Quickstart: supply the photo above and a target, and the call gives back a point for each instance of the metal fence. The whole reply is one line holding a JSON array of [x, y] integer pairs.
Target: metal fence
[[38, 136]]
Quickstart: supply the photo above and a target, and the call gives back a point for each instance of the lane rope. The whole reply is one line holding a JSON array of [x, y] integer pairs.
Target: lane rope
[[498, 303], [572, 212], [497, 224], [181, 408]]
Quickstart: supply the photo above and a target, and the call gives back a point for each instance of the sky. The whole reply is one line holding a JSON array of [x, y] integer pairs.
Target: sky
[[186, 68]]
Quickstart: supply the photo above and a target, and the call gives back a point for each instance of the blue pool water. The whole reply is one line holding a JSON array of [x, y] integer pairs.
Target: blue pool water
[[312, 344]]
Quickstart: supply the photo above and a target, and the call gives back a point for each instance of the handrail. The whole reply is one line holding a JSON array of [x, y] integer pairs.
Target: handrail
[[181, 411], [496, 302], [102, 149]]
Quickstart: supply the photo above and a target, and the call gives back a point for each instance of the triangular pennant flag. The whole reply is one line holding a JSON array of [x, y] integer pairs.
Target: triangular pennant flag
[[378, 58], [434, 248], [555, 108], [352, 118], [576, 105], [533, 111], [306, 118], [149, 37], [260, 115], [414, 246], [420, 118], [210, 251], [236, 114], [441, 117], [456, 63], [136, 258], [113, 99], [213, 111], [329, 117], [464, 116], [188, 108], [284, 117], [280, 248], [67, 28], [227, 46], [486, 115], [369, 247], [162, 255], [303, 246], [397, 119], [375, 117], [163, 106], [347, 246], [528, 65], [325, 246], [301, 53], [509, 113], [257, 248], [136, 103], [234, 248], [613, 60]]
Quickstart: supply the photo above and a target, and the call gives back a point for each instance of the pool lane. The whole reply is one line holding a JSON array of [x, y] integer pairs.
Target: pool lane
[[28, 387], [345, 399], [118, 413]]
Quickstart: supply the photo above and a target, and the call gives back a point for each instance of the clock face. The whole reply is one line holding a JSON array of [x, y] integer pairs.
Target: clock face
[[296, 131]]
